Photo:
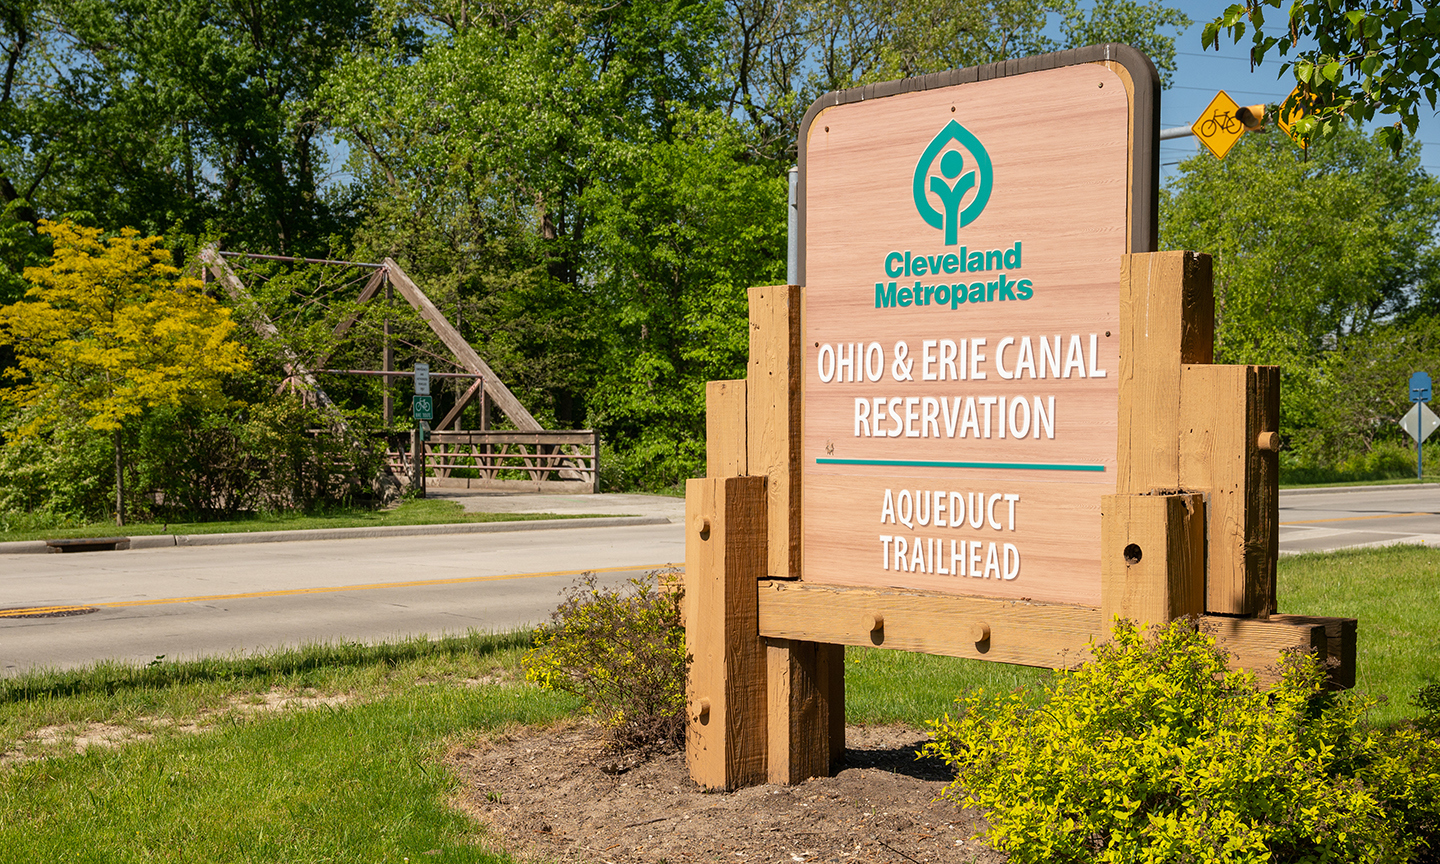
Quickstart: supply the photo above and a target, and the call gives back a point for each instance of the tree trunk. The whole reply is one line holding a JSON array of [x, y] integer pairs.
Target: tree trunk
[[119, 480]]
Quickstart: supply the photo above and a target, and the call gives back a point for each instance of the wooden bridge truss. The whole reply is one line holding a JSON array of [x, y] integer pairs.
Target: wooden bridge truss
[[547, 459]]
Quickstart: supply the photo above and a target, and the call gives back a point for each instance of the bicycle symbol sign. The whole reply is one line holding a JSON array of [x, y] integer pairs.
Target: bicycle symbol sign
[[1218, 128]]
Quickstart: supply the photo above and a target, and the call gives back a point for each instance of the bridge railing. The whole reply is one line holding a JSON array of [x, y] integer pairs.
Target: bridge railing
[[548, 461]]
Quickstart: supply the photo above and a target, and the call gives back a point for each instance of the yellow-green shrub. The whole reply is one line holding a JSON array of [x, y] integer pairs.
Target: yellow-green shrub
[[623, 652], [1155, 752]]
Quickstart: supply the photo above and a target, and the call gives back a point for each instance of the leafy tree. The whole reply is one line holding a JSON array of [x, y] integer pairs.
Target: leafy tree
[[679, 245], [110, 330], [1311, 255], [777, 57], [1365, 385], [1351, 59], [156, 114], [550, 175]]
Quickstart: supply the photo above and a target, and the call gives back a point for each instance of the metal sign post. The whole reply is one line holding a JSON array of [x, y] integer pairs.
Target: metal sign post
[[1420, 421], [422, 408]]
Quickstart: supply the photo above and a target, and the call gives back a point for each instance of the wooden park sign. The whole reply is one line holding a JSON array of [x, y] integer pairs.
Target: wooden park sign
[[988, 423]]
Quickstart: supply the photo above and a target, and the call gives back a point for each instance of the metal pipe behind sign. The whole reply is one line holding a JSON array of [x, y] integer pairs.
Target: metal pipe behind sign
[[792, 254]]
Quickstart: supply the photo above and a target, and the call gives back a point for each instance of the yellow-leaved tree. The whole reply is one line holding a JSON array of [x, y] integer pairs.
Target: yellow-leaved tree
[[109, 329]]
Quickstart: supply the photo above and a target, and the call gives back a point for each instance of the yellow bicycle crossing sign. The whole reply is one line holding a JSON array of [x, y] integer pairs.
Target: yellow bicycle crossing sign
[[1300, 107], [1218, 127]]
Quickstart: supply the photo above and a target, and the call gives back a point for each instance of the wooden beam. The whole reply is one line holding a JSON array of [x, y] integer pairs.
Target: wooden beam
[[1229, 414], [773, 395], [980, 628], [804, 708], [494, 387], [1259, 643], [725, 429], [726, 738], [461, 404], [372, 287], [1029, 634], [1167, 318], [1152, 557], [1339, 655], [261, 323]]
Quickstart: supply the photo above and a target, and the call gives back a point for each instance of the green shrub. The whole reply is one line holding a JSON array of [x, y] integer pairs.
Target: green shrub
[[623, 652], [1154, 752], [1386, 460], [1428, 701]]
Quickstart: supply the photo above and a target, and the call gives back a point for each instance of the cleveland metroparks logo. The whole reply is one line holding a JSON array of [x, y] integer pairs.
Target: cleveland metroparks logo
[[952, 181]]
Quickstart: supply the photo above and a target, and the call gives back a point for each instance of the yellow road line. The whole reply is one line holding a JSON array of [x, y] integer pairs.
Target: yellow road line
[[288, 592], [39, 610], [1355, 518]]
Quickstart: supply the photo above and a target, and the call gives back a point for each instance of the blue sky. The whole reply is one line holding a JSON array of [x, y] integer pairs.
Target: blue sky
[[1199, 74]]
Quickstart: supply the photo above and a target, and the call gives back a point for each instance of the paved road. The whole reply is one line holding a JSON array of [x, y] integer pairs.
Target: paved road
[[1314, 520], [192, 601]]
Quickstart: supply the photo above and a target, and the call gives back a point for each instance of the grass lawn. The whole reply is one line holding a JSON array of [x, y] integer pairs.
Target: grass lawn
[[1395, 592], [413, 512], [900, 687], [354, 781]]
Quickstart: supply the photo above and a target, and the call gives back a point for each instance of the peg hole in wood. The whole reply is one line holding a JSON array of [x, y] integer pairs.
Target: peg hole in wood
[[702, 527], [1133, 554], [704, 711], [980, 631]]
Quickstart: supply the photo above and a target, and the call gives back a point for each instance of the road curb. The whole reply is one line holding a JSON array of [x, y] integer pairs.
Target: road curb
[[157, 541], [1330, 490]]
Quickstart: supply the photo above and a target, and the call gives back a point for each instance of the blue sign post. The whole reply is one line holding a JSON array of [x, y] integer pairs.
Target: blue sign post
[[1419, 394]]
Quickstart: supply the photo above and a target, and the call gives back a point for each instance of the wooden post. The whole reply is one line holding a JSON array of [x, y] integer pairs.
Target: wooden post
[[1229, 448], [1167, 319], [753, 428], [725, 555], [387, 359], [725, 431], [806, 701], [1152, 558], [1152, 562], [595, 462], [773, 395], [806, 679], [725, 441]]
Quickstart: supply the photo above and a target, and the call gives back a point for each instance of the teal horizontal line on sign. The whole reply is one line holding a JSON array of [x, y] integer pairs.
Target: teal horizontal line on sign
[[922, 463]]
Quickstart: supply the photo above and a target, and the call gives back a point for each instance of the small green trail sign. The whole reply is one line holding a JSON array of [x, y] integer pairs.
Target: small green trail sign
[[423, 408]]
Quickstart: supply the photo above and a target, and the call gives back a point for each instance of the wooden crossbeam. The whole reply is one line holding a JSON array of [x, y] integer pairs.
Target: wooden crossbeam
[[372, 287], [460, 404], [494, 387], [260, 321]]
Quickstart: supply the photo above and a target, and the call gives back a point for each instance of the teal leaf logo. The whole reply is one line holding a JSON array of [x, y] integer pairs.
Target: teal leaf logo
[[953, 183]]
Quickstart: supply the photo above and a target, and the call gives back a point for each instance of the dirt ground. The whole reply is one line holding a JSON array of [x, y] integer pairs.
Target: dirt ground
[[552, 795]]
